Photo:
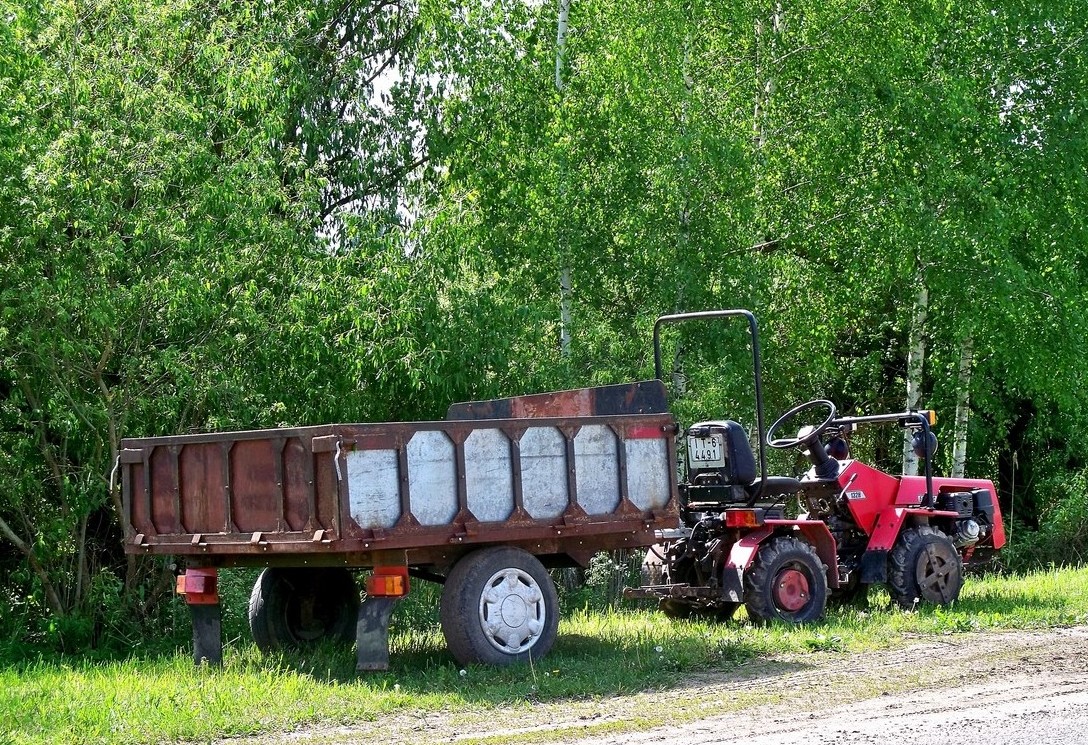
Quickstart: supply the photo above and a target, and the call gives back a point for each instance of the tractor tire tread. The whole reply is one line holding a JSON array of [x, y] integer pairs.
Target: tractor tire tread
[[768, 560], [903, 565]]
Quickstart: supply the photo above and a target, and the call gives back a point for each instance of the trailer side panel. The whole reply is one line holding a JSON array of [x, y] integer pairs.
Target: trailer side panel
[[359, 494]]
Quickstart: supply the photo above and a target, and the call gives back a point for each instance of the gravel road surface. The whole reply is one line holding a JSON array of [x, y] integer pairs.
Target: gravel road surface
[[1009, 688]]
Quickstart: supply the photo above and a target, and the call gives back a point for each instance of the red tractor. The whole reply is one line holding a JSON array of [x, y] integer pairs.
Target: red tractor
[[853, 526]]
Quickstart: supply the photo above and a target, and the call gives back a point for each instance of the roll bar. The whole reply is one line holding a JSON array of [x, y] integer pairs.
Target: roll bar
[[757, 371]]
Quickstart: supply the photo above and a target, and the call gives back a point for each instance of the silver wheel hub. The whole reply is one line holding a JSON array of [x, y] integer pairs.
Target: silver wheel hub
[[512, 612]]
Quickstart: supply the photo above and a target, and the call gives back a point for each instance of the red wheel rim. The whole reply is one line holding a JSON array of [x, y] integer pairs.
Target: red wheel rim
[[791, 590]]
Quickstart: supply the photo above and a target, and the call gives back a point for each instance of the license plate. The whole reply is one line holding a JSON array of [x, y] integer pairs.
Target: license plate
[[706, 451]]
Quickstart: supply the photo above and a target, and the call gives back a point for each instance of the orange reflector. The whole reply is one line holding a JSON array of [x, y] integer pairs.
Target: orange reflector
[[388, 582], [931, 415], [743, 518], [199, 586]]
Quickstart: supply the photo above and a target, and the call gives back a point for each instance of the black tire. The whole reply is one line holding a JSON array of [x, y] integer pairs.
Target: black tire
[[924, 567], [299, 608], [499, 607], [786, 582]]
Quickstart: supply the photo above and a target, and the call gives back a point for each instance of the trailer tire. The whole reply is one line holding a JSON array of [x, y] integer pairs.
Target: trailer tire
[[924, 566], [499, 607], [297, 608], [786, 582]]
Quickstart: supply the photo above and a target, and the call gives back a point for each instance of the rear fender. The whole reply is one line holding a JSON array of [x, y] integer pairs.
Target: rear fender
[[817, 534], [740, 558], [743, 552]]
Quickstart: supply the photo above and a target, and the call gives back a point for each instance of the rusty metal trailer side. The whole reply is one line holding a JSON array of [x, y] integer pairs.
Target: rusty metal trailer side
[[420, 493]]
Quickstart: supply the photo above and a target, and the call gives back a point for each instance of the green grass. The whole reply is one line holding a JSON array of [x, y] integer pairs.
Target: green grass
[[163, 697]]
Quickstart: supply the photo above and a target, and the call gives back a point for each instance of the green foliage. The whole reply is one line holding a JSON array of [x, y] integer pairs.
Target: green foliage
[[1062, 538]]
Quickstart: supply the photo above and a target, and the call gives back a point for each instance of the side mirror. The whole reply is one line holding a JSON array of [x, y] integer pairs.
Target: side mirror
[[918, 443]]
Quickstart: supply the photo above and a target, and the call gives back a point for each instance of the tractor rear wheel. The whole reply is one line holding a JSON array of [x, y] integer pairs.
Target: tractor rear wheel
[[924, 567], [786, 582]]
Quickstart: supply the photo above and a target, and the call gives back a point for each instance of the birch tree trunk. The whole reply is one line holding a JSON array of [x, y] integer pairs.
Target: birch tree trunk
[[915, 364], [564, 253], [679, 379], [574, 577], [764, 47], [963, 407], [764, 78]]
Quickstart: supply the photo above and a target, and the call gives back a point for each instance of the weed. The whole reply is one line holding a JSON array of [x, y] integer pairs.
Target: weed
[[825, 643]]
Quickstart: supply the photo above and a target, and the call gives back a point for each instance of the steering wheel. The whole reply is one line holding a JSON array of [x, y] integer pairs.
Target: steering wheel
[[808, 437]]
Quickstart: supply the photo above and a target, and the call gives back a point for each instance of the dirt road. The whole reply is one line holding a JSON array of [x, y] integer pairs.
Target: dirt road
[[1033, 691], [1001, 688]]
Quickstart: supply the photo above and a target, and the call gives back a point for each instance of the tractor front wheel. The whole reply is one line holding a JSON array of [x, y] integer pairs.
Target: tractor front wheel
[[787, 582], [924, 567]]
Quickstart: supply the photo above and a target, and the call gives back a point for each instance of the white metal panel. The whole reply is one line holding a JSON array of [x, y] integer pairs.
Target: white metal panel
[[544, 472], [648, 483], [373, 488], [489, 475], [596, 458], [432, 478]]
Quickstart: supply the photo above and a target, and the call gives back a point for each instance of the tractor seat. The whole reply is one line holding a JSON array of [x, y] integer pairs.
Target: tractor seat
[[775, 486], [744, 470]]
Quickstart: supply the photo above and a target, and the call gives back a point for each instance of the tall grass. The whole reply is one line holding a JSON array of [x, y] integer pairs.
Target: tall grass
[[154, 697]]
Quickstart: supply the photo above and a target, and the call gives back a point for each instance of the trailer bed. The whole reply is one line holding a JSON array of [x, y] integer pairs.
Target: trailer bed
[[417, 493]]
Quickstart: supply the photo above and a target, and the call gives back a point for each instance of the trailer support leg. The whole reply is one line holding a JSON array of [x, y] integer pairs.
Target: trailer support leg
[[200, 586], [207, 634], [372, 633]]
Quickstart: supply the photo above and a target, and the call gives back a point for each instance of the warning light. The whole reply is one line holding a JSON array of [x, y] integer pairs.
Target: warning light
[[388, 582], [743, 518]]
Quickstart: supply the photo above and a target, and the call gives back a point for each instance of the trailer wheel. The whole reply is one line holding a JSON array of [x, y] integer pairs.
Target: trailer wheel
[[293, 608], [499, 607], [787, 582], [924, 566]]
